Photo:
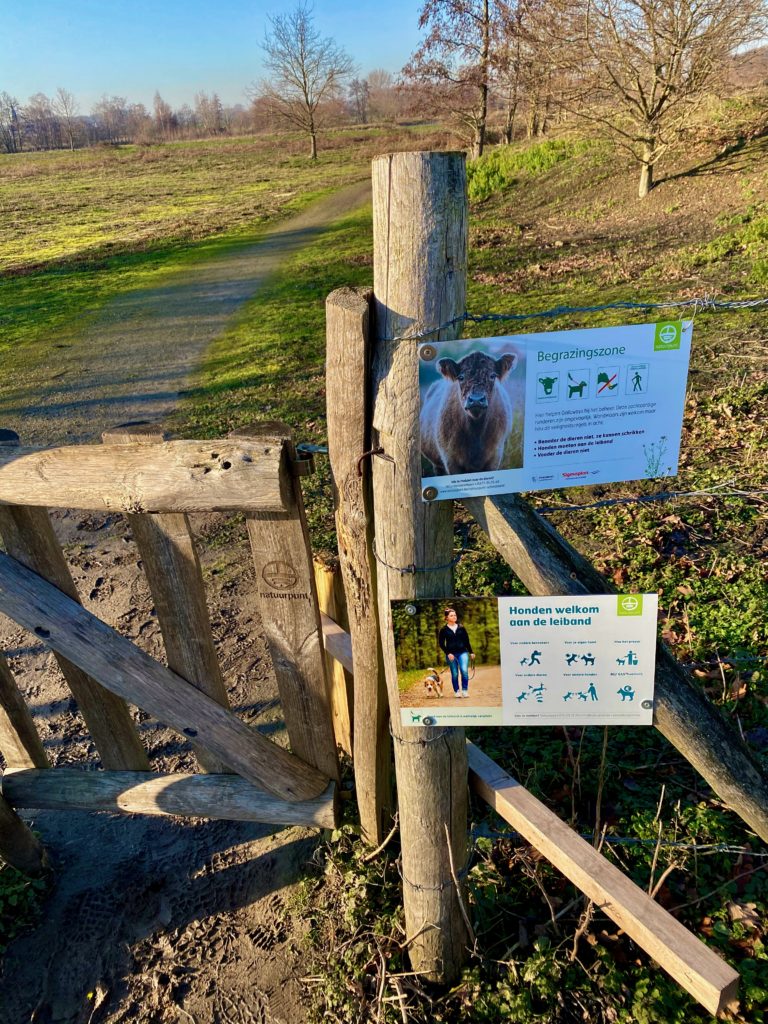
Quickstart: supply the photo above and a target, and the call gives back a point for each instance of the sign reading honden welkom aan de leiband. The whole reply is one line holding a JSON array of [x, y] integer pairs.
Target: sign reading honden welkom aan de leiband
[[539, 411], [587, 660]]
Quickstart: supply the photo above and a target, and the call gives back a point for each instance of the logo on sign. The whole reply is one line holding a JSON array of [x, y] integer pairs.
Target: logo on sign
[[629, 604], [667, 336], [279, 575]]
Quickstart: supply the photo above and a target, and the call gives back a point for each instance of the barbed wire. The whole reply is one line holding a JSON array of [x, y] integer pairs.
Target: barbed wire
[[718, 491], [701, 304], [484, 832]]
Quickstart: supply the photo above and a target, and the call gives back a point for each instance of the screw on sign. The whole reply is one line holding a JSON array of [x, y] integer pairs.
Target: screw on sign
[[279, 575]]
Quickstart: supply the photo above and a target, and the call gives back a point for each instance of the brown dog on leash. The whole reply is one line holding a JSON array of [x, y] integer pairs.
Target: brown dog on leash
[[433, 683]]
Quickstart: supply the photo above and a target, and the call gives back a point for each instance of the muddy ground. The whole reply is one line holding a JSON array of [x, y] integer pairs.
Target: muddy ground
[[156, 919]]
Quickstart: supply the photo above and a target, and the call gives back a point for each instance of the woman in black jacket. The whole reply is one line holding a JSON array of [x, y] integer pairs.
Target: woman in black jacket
[[454, 643]]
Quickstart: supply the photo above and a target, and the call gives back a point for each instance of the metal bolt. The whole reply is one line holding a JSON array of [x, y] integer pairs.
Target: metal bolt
[[429, 493], [429, 720], [647, 705], [411, 609], [427, 352]]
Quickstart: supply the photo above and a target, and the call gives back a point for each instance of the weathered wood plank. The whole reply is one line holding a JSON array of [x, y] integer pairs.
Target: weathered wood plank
[[329, 591], [18, 846], [699, 970], [20, 743], [419, 270], [227, 797], [286, 598], [338, 642], [172, 567], [175, 476], [119, 665], [29, 538], [348, 358], [547, 564]]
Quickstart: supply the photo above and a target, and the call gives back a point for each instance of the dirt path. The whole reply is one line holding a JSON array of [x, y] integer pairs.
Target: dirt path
[[135, 358], [155, 919]]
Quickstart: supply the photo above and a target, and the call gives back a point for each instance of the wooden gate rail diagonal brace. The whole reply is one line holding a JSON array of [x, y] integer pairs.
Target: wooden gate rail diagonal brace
[[697, 968], [546, 564], [419, 274], [29, 538], [224, 797], [172, 568], [123, 668]]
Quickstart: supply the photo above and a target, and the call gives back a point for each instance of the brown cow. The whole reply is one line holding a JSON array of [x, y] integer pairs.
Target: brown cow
[[466, 418]]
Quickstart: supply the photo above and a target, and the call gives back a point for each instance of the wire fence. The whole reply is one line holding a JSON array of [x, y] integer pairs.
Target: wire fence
[[701, 304]]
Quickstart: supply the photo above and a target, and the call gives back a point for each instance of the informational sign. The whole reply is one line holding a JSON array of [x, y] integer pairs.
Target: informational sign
[[527, 660], [540, 411]]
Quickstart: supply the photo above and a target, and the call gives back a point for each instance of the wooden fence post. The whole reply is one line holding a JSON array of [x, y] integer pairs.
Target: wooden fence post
[[29, 538], [286, 597], [348, 362], [19, 847], [20, 743], [419, 272], [172, 567], [332, 602]]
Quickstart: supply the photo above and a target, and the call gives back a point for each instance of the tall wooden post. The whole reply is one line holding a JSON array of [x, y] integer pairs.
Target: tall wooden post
[[419, 273]]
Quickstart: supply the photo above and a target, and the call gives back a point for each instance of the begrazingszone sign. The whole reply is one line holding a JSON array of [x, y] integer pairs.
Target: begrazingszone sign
[[556, 409]]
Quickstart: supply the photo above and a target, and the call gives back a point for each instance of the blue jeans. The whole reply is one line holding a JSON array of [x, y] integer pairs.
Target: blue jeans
[[460, 663]]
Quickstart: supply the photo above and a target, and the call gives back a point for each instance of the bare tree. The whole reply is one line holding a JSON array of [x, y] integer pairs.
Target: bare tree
[[456, 60], [383, 98], [307, 72], [639, 68], [11, 135], [359, 100], [65, 108]]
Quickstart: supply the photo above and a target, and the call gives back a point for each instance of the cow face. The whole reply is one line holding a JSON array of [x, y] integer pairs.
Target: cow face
[[476, 377]]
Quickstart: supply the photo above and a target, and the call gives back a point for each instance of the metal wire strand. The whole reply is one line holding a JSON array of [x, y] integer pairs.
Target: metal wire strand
[[702, 304], [410, 570]]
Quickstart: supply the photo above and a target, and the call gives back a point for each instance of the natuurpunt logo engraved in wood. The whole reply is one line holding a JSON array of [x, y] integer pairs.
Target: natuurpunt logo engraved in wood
[[281, 578]]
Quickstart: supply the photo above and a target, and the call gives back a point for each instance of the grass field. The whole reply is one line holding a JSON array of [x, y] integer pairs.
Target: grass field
[[564, 230]]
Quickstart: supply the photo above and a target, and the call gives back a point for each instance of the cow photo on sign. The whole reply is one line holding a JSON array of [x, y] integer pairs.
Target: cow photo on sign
[[472, 407]]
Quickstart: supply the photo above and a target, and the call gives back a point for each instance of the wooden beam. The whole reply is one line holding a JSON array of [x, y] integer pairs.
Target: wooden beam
[[175, 476], [286, 598], [123, 668], [338, 642], [29, 538], [172, 567], [18, 846], [547, 564], [419, 273], [330, 598], [20, 743], [227, 797], [694, 966], [348, 398]]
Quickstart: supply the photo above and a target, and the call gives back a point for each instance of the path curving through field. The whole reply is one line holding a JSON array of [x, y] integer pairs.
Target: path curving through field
[[132, 362]]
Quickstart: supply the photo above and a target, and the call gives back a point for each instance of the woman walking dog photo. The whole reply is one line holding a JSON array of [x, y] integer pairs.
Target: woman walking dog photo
[[435, 643], [453, 640]]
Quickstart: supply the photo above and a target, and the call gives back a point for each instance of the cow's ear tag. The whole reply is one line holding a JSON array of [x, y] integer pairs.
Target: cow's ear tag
[[427, 352]]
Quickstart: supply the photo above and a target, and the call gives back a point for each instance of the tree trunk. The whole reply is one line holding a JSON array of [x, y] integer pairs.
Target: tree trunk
[[312, 146], [646, 170]]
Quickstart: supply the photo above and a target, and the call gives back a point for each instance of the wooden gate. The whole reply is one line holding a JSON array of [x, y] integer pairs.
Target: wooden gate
[[156, 482]]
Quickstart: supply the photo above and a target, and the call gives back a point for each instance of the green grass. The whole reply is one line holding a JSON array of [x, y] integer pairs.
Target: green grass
[[21, 900], [501, 168]]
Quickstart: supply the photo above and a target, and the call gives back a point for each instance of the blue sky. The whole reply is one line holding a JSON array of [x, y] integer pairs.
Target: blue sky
[[179, 47]]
